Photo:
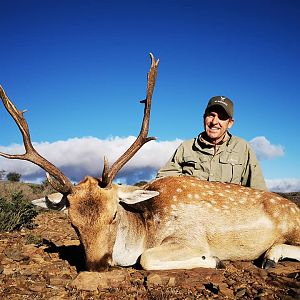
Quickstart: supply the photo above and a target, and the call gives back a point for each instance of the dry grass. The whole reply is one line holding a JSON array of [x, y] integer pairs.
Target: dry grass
[[29, 191]]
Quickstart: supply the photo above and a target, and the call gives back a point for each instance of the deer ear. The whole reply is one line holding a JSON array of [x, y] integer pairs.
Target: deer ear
[[132, 195], [56, 201]]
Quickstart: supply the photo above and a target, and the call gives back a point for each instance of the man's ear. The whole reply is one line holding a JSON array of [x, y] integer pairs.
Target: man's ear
[[132, 194], [230, 124]]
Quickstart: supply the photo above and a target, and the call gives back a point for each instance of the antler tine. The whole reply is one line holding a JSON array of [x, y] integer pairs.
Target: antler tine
[[31, 154], [109, 174]]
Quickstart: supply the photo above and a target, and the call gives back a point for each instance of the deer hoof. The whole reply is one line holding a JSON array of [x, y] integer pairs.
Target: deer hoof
[[219, 263], [268, 263]]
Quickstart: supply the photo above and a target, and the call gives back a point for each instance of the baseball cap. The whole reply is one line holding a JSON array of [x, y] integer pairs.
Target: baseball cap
[[222, 101]]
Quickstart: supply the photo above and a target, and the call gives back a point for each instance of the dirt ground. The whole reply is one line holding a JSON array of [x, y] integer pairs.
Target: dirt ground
[[46, 262]]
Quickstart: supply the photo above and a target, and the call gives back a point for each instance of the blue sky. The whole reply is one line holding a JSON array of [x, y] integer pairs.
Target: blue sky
[[79, 67]]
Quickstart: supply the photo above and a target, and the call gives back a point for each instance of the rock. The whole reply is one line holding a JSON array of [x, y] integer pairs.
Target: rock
[[8, 271], [13, 253], [71, 243], [91, 281], [87, 281], [37, 258], [37, 287], [226, 291], [154, 279]]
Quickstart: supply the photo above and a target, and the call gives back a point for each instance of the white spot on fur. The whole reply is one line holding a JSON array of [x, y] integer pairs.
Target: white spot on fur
[[179, 190], [210, 192], [175, 198], [221, 194], [216, 209], [293, 210], [190, 196], [283, 226], [225, 207], [197, 196], [273, 200]]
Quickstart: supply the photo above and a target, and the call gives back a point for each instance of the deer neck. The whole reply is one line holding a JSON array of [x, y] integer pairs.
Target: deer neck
[[130, 238]]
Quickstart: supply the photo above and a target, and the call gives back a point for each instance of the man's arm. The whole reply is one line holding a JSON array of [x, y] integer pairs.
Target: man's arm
[[253, 176], [172, 167]]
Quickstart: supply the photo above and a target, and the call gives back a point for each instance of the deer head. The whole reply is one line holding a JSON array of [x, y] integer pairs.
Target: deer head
[[92, 204]]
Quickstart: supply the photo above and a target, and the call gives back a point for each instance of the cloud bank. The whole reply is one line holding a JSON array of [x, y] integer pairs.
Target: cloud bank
[[264, 149], [79, 157], [284, 185]]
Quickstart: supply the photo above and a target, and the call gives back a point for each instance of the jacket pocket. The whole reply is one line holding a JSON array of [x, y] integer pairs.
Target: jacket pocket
[[194, 167], [231, 168]]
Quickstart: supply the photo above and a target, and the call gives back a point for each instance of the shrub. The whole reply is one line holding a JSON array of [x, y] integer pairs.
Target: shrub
[[13, 176], [16, 212]]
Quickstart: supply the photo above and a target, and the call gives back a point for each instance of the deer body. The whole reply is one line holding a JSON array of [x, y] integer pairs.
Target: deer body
[[190, 223]]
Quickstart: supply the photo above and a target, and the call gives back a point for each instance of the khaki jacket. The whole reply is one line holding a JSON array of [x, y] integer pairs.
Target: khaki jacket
[[232, 161]]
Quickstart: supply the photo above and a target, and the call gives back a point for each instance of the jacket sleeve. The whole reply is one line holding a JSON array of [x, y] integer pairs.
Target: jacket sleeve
[[173, 165], [253, 176]]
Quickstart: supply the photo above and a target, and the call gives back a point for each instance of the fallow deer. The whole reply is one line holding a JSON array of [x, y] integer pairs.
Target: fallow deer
[[171, 222]]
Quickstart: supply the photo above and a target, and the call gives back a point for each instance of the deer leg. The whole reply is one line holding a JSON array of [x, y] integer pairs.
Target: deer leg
[[176, 256], [278, 252]]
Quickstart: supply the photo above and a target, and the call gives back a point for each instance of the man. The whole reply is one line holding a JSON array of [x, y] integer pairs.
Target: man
[[216, 155]]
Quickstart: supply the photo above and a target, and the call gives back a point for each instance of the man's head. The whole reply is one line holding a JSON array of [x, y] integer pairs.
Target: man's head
[[218, 118]]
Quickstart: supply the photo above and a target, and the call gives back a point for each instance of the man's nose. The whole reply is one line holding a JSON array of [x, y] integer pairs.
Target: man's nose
[[215, 120]]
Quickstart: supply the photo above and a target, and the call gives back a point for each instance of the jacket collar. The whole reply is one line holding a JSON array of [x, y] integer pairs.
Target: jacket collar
[[201, 143]]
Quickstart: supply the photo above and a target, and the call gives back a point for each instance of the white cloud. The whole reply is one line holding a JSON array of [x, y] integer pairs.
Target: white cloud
[[264, 149], [79, 157], [284, 185]]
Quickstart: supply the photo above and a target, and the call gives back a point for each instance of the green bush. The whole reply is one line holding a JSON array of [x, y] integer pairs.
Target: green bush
[[16, 212], [13, 176]]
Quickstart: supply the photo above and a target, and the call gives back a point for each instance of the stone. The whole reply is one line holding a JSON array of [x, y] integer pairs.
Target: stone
[[91, 281], [154, 279], [86, 281]]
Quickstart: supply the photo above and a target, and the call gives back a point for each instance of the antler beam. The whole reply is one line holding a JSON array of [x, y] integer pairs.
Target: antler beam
[[65, 185], [109, 174]]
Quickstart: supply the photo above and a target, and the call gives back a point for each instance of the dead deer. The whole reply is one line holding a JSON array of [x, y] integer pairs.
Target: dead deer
[[171, 222]]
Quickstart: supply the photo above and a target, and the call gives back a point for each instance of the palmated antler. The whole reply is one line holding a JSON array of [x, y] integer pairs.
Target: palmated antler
[[59, 181], [109, 173]]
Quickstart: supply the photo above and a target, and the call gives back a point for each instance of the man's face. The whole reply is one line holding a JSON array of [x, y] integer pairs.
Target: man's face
[[216, 123]]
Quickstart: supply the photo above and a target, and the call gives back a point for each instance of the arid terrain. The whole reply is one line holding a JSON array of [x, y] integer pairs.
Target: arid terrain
[[46, 262]]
